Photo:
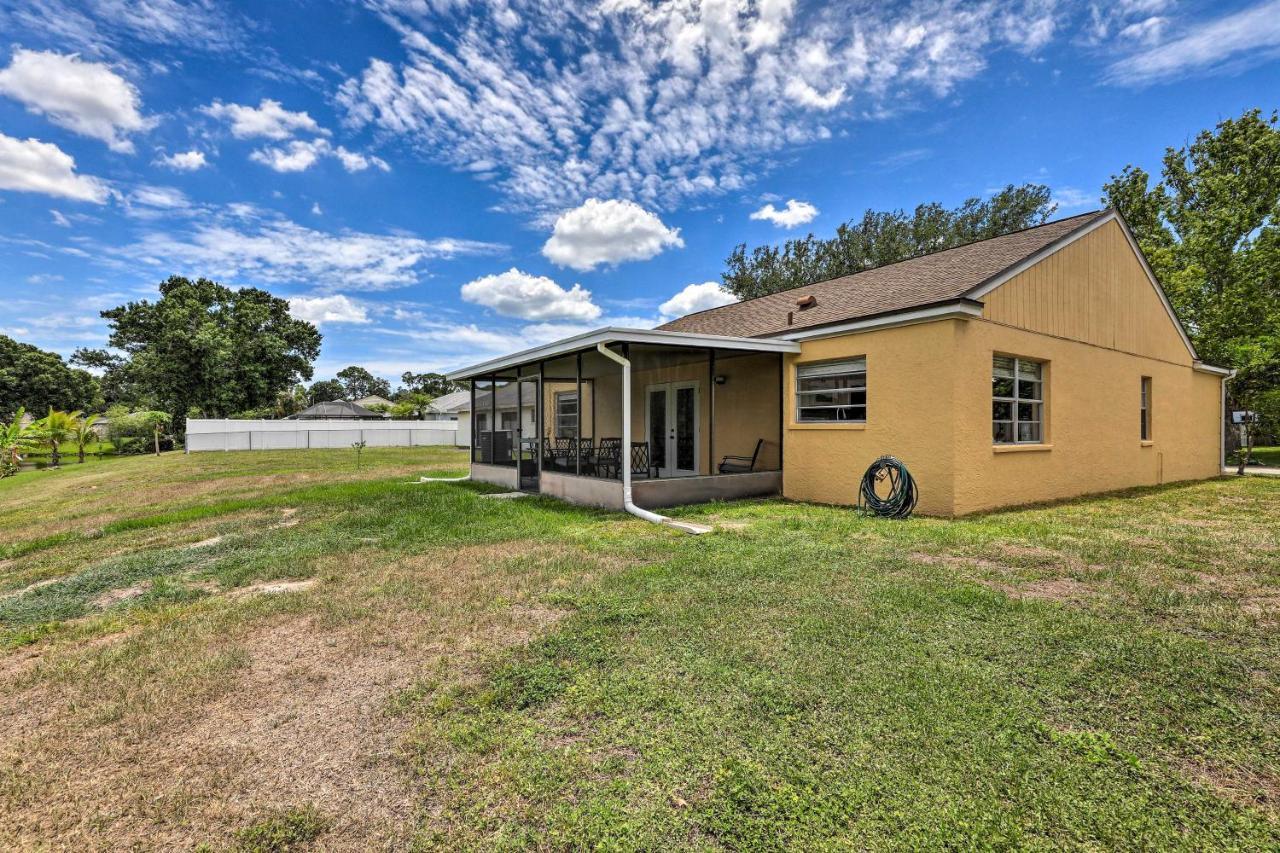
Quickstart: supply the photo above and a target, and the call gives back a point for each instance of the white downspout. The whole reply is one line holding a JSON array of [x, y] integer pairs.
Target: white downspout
[[625, 455]]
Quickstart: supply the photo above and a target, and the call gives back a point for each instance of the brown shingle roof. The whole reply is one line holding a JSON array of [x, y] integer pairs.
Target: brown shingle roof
[[927, 280]]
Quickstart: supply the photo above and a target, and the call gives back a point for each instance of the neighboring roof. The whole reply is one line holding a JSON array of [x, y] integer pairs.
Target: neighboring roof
[[374, 400], [946, 276], [506, 398], [447, 404], [336, 409], [615, 335]]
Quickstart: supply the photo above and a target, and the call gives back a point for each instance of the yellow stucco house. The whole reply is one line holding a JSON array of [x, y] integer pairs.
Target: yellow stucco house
[[1040, 365]]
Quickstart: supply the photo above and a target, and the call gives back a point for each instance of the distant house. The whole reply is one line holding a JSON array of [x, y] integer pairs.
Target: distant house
[[1034, 366], [336, 410], [373, 400], [447, 406]]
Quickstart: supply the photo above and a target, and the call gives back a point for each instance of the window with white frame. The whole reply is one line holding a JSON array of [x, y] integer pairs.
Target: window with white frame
[[1146, 408], [482, 421], [832, 392], [1017, 400], [566, 414], [510, 420]]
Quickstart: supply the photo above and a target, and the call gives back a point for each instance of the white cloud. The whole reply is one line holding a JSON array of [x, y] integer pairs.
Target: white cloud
[[240, 243], [41, 167], [60, 219], [354, 161], [268, 120], [1248, 36], [530, 297], [167, 198], [94, 26], [1073, 198], [657, 102], [183, 161], [607, 232], [795, 213], [299, 155], [316, 209], [296, 156], [328, 309], [87, 98], [696, 297]]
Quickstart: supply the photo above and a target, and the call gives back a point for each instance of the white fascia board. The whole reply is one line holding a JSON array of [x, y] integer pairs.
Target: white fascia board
[[949, 311], [1201, 367], [611, 335]]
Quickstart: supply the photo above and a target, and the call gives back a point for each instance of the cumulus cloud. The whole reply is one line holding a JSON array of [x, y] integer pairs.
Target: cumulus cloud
[[296, 156], [694, 298], [183, 161], [607, 232], [299, 155], [661, 101], [241, 243], [795, 213], [530, 297], [268, 120], [41, 167], [1238, 39], [87, 98], [328, 309]]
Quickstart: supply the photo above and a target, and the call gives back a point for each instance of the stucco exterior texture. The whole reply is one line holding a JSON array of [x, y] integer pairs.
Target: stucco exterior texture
[[1092, 316]]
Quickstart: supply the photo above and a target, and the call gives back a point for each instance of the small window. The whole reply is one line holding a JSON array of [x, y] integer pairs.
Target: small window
[[832, 392], [566, 414], [510, 420], [1146, 408], [482, 421], [1017, 401]]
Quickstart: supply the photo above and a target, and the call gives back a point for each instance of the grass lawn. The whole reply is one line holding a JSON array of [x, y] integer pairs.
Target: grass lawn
[[265, 650], [1269, 456]]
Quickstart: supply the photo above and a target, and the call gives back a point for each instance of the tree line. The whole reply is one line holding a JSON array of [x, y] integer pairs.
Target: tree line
[[201, 349]]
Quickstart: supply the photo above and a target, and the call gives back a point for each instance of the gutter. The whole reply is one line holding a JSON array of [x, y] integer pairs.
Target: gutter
[[625, 461]]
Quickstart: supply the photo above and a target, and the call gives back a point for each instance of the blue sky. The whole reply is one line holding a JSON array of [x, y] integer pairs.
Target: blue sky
[[437, 182]]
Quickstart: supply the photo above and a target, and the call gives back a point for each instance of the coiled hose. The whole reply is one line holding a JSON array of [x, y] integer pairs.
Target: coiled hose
[[901, 500]]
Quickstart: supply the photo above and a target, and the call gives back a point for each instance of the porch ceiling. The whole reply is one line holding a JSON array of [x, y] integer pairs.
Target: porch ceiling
[[613, 335]]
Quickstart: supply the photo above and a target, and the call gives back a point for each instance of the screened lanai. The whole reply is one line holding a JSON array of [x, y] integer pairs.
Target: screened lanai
[[705, 417]]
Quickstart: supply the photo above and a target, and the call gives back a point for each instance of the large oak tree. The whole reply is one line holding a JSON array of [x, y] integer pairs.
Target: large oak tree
[[203, 347]]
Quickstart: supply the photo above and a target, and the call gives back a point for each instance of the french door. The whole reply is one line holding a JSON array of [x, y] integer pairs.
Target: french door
[[671, 427]]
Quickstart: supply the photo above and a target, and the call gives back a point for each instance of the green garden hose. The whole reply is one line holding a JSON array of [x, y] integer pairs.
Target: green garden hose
[[901, 500]]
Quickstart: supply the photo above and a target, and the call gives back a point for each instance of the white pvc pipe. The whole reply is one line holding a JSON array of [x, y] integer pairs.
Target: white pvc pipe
[[625, 456]]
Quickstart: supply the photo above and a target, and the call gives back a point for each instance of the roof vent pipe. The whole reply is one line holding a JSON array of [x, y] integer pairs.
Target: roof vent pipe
[[625, 461], [806, 302]]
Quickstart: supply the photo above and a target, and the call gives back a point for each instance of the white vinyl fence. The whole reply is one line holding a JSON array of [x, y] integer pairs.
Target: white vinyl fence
[[228, 434]]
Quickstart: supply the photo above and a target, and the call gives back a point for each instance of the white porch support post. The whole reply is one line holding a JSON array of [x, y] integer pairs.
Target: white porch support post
[[627, 503]]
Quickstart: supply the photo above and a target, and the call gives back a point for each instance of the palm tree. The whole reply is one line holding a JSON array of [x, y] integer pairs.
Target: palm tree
[[15, 438], [55, 428], [84, 434]]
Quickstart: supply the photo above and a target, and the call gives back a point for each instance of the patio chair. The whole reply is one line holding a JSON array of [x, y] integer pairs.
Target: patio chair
[[741, 464], [640, 460], [587, 453], [609, 458]]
